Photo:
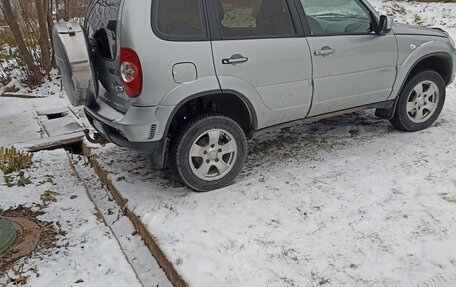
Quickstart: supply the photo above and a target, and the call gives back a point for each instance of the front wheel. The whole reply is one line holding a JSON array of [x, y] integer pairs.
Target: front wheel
[[420, 102], [208, 152]]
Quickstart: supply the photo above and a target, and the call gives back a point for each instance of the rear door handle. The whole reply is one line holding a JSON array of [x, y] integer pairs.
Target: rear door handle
[[325, 51], [235, 59]]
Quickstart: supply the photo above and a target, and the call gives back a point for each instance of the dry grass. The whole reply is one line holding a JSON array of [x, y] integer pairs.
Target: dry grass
[[12, 160]]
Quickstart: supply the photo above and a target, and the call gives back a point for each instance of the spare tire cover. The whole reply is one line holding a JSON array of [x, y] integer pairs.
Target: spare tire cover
[[73, 57]]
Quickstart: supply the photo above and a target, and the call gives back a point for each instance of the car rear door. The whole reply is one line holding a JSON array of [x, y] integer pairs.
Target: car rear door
[[352, 66], [258, 44]]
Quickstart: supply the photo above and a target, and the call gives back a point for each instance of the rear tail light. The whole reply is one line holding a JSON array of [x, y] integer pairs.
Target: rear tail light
[[130, 69]]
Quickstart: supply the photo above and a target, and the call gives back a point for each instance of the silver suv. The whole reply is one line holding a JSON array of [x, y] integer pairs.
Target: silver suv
[[196, 78]]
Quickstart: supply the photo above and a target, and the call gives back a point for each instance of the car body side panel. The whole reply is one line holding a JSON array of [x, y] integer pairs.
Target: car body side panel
[[362, 91], [278, 71], [412, 49], [181, 92], [158, 57], [266, 94], [361, 71], [264, 116]]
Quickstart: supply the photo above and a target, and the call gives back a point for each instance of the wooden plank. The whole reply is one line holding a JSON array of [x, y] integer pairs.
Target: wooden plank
[[52, 142], [149, 239], [23, 96], [51, 111], [60, 126]]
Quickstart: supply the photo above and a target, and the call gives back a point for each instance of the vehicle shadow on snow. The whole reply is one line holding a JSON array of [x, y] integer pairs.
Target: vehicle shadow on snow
[[306, 142], [300, 143]]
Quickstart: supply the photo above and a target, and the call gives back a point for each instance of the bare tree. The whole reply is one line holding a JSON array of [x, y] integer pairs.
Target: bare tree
[[42, 7], [67, 9], [50, 25], [26, 55], [31, 24]]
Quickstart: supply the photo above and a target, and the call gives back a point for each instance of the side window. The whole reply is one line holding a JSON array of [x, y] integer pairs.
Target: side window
[[243, 19], [337, 17], [179, 20], [101, 26]]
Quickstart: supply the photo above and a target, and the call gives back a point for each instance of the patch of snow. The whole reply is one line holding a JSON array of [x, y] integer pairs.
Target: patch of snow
[[14, 84], [88, 252], [18, 121], [136, 251]]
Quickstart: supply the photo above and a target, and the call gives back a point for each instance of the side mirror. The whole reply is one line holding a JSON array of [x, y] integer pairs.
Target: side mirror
[[386, 24], [383, 26]]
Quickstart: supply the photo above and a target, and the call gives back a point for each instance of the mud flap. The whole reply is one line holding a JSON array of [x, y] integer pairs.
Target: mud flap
[[387, 113]]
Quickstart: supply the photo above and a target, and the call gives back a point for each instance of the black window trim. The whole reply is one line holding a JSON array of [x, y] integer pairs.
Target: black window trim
[[216, 32], [181, 38], [308, 31]]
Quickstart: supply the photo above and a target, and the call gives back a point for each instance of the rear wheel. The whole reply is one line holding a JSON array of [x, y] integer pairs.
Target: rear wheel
[[420, 102], [208, 152]]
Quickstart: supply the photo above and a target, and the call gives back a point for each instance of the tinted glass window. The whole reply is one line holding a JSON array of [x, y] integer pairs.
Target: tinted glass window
[[101, 26], [179, 19], [254, 18], [336, 17]]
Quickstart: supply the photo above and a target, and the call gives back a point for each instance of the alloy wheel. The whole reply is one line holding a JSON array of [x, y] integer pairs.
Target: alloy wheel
[[422, 102], [213, 154]]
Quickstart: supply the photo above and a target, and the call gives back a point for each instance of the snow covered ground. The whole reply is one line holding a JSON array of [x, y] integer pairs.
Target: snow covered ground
[[86, 252], [347, 200], [343, 202]]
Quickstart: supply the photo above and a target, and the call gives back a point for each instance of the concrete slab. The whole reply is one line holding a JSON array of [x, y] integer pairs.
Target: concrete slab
[[19, 114], [37, 124]]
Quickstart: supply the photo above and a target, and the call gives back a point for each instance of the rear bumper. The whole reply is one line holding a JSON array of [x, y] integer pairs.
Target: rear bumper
[[137, 130]]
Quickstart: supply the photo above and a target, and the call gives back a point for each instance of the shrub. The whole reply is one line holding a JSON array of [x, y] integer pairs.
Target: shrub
[[12, 160]]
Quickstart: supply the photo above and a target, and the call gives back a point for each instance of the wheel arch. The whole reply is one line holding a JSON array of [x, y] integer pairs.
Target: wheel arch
[[440, 62], [421, 64], [226, 102]]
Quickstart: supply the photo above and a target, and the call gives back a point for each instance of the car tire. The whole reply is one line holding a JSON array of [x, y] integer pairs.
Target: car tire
[[208, 152], [420, 102]]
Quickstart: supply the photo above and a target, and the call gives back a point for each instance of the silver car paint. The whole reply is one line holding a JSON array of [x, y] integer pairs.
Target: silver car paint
[[271, 85], [161, 93], [361, 71], [415, 43], [159, 85], [277, 76]]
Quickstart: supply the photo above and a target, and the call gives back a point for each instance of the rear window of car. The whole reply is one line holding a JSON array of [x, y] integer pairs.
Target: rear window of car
[[240, 19], [179, 20], [101, 26]]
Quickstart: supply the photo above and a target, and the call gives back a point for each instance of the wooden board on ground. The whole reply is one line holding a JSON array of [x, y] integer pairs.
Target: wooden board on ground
[[39, 124], [52, 142]]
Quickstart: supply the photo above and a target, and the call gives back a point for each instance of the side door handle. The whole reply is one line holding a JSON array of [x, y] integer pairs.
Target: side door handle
[[236, 59], [325, 51]]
